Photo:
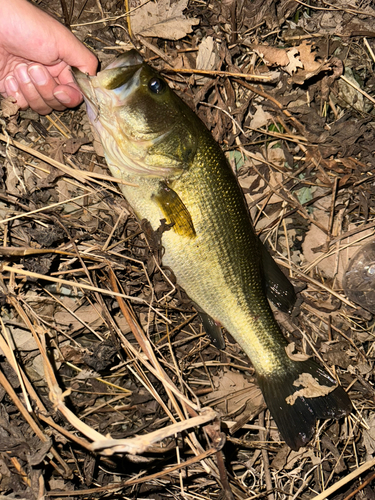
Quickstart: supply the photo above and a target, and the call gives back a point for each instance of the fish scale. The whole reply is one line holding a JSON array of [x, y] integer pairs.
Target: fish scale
[[155, 141], [241, 306]]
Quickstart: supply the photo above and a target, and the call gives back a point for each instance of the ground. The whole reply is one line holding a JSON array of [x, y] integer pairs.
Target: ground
[[98, 342]]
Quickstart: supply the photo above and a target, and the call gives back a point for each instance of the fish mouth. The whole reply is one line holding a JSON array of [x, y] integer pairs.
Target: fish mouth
[[116, 75], [83, 82], [127, 59], [111, 86], [107, 96]]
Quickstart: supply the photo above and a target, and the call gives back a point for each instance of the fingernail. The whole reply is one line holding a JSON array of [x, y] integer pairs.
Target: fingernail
[[11, 84], [38, 75], [62, 97], [21, 72]]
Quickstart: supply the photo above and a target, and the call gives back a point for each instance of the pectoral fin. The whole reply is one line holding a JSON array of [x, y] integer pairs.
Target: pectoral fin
[[174, 211]]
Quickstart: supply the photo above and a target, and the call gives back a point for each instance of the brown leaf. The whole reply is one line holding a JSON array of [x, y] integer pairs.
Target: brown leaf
[[300, 62], [308, 57], [272, 56], [207, 58], [310, 66], [330, 265], [9, 107], [298, 356], [73, 144], [310, 388], [162, 19], [233, 393]]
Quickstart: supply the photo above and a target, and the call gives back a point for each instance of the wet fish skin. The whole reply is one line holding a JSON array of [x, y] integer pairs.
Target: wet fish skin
[[153, 139]]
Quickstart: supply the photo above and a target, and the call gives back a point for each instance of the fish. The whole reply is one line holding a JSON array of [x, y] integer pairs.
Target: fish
[[178, 175]]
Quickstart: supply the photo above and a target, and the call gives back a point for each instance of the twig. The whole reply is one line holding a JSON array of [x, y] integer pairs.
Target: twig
[[368, 47], [49, 118], [42, 209], [82, 175], [319, 284], [289, 115], [140, 444], [65, 13], [358, 89], [128, 18], [130, 482], [246, 76], [332, 212], [73, 284], [266, 462], [345, 480], [360, 487]]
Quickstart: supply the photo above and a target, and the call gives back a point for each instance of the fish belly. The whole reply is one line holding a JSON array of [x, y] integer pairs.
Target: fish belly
[[215, 267]]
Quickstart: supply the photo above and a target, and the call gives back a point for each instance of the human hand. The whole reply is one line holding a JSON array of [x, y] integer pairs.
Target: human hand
[[36, 53]]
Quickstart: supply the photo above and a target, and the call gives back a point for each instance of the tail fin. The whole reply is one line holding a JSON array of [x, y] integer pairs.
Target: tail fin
[[298, 396]]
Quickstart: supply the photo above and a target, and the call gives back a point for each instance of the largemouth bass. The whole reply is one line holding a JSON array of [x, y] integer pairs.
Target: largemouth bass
[[152, 139]]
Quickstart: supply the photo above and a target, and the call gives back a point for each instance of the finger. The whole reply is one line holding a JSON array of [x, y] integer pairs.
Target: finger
[[45, 85], [74, 53], [68, 95], [28, 90], [13, 89], [89, 63], [65, 76]]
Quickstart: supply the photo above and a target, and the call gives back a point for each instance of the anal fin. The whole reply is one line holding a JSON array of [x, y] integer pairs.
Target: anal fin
[[213, 329], [279, 289]]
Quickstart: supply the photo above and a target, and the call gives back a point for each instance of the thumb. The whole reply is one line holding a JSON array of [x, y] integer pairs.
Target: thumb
[[74, 53]]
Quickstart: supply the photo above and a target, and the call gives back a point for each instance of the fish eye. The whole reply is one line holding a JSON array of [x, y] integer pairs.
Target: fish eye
[[156, 85]]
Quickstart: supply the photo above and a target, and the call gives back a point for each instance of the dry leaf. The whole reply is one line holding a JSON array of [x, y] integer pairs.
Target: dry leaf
[[87, 314], [21, 339], [311, 388], [73, 144], [207, 58], [13, 180], [233, 393], [298, 356], [349, 96], [337, 355], [295, 458], [260, 118], [272, 56], [276, 155], [162, 19], [300, 62], [310, 66], [289, 459], [308, 57], [334, 265], [9, 107], [369, 436], [294, 61]]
